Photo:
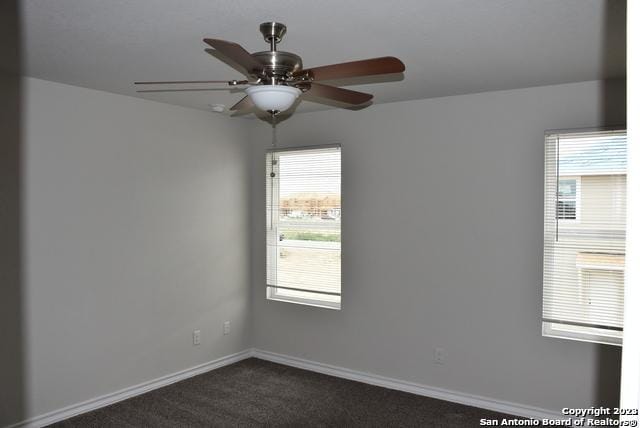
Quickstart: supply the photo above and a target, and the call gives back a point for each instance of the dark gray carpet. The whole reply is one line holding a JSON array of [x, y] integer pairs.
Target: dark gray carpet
[[255, 393]]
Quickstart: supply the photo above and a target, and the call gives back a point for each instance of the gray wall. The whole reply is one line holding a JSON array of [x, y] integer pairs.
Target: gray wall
[[442, 246], [137, 233]]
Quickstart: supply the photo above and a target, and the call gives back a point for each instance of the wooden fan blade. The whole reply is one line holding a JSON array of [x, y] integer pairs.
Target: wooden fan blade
[[366, 67], [220, 57], [179, 82], [346, 96], [243, 104], [237, 54]]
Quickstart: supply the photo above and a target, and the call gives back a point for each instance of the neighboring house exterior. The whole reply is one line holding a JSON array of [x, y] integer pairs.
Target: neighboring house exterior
[[595, 179]]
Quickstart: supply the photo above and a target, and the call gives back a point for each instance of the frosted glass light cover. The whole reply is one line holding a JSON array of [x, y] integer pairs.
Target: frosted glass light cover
[[273, 97]]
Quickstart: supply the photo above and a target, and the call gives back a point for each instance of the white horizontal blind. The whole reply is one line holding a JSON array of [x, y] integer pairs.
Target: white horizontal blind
[[584, 243], [303, 201]]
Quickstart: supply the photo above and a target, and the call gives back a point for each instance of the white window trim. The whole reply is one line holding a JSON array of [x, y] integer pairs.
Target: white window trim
[[272, 294], [563, 331]]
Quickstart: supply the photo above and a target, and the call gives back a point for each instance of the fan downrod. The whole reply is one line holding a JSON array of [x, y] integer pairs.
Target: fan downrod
[[273, 32]]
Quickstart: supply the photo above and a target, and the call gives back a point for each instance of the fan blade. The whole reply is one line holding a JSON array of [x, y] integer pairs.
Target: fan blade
[[220, 57], [237, 54], [243, 104], [366, 67], [338, 94], [176, 82]]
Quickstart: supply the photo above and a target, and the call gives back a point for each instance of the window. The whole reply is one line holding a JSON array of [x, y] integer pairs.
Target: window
[[568, 198], [304, 211], [584, 242]]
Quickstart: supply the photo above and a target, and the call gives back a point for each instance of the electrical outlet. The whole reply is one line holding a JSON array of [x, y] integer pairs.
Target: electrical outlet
[[438, 355], [196, 337], [226, 327]]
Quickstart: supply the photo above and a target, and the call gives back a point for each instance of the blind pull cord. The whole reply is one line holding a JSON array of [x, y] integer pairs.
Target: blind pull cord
[[274, 141], [557, 207]]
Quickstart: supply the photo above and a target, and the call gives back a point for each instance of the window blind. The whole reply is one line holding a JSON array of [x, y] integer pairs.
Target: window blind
[[584, 235], [303, 215]]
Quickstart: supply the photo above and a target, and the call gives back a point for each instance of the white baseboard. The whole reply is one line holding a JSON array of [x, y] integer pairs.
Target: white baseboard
[[411, 387], [341, 372], [132, 391]]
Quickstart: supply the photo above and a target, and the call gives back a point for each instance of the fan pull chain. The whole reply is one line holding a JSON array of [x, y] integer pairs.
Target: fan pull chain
[[274, 138]]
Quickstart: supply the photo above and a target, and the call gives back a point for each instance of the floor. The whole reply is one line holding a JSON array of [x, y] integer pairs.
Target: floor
[[257, 393]]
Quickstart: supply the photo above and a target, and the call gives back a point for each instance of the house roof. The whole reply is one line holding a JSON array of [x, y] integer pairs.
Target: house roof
[[610, 158]]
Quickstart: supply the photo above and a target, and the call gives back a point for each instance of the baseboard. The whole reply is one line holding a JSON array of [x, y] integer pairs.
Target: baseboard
[[414, 388], [132, 391], [341, 372]]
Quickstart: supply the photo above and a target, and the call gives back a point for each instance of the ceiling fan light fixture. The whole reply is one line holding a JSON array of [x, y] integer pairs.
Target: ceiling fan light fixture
[[273, 97]]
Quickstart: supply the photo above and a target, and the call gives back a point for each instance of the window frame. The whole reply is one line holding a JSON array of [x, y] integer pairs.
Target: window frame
[[566, 330], [280, 294]]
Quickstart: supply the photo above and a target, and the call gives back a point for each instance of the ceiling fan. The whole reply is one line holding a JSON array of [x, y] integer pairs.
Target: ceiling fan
[[275, 79]]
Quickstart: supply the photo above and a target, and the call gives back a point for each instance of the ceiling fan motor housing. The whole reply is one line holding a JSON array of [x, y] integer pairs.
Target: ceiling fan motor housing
[[278, 64]]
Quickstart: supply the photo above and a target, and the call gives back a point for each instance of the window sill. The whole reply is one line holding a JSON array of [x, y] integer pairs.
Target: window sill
[[306, 302], [580, 334]]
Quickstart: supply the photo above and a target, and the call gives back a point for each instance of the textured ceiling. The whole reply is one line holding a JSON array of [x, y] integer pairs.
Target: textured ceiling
[[449, 46]]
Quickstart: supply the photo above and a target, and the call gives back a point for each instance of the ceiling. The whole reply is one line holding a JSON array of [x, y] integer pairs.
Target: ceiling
[[449, 46]]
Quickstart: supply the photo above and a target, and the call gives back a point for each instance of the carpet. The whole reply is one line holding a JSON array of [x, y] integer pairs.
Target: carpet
[[257, 393]]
